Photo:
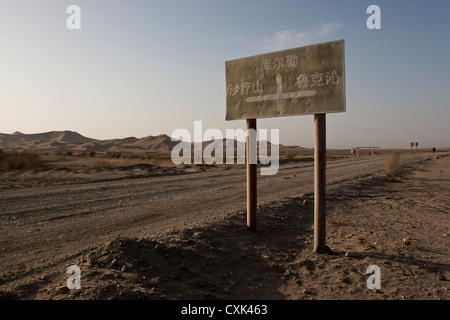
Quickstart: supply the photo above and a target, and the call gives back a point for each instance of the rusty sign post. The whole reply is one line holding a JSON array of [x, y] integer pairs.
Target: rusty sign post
[[299, 81], [320, 201], [250, 147]]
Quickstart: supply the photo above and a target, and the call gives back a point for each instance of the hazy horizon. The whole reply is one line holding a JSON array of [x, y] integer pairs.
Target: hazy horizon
[[224, 138], [141, 68]]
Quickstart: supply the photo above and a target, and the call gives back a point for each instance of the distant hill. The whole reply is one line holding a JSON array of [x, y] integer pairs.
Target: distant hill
[[70, 141], [161, 143], [69, 136]]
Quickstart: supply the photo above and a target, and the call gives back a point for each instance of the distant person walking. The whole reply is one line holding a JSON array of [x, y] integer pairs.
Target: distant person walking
[[434, 150]]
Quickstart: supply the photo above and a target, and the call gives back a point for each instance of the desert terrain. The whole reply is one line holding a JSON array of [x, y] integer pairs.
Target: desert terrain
[[142, 228]]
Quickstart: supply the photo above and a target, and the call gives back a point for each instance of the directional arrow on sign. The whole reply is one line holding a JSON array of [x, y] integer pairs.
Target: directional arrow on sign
[[279, 96]]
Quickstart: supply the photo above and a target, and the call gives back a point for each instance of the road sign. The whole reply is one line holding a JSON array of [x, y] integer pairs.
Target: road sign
[[299, 81]]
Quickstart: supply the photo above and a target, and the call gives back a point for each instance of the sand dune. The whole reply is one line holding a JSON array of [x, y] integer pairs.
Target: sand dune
[[69, 136], [70, 141], [64, 141]]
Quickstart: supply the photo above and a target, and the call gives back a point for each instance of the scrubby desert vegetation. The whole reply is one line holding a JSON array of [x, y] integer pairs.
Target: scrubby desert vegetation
[[19, 160]]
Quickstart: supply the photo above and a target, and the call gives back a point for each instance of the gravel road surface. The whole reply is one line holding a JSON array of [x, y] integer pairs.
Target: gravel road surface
[[44, 224]]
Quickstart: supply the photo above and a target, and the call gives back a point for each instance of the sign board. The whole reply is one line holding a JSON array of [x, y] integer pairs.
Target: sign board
[[299, 81]]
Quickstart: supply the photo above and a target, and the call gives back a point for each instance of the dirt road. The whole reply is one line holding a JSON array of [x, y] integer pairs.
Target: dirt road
[[43, 224], [46, 225]]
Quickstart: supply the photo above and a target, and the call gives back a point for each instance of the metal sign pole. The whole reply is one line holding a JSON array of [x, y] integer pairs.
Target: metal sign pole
[[319, 183], [250, 147], [262, 86]]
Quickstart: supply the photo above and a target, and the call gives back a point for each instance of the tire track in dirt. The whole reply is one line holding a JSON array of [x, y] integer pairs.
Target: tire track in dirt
[[56, 220]]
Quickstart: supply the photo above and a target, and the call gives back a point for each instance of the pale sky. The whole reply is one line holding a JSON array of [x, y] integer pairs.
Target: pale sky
[[139, 68]]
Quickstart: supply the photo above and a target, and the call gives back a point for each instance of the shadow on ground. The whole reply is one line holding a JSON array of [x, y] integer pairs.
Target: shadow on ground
[[222, 261]]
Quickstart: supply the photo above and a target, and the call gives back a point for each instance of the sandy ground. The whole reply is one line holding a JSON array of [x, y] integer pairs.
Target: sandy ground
[[64, 170], [401, 225]]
